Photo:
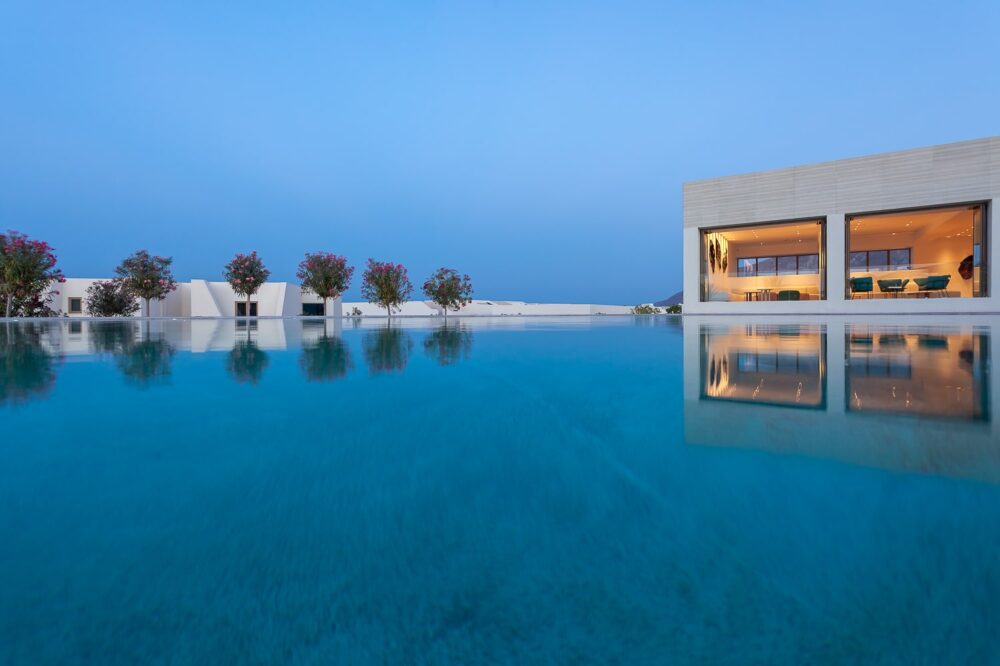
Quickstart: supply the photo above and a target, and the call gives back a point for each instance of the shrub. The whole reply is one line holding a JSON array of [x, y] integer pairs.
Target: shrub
[[111, 298], [645, 310]]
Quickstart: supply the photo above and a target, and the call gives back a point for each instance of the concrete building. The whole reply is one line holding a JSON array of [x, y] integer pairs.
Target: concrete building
[[908, 231]]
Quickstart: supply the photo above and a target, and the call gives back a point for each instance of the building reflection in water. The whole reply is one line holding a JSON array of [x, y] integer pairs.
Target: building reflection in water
[[770, 365], [936, 374], [909, 398]]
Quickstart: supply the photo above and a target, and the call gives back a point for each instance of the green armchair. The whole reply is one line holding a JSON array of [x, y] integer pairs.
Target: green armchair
[[893, 286], [933, 283], [789, 295], [862, 285]]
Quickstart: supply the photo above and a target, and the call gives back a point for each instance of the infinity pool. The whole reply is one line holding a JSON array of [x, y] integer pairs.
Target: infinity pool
[[500, 491]]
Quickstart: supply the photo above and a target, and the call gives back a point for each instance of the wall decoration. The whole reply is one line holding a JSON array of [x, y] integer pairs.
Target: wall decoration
[[965, 268]]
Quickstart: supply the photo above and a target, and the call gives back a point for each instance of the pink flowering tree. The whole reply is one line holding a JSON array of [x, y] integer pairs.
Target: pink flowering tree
[[449, 289], [147, 276], [386, 285], [27, 271], [326, 275], [246, 273]]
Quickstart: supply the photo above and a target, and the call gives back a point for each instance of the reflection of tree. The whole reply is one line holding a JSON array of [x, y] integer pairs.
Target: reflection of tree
[[325, 359], [449, 344], [112, 337], [386, 350], [247, 362], [145, 362], [26, 368]]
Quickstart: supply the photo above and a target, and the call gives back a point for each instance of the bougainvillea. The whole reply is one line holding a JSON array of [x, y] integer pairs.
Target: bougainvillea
[[147, 276], [386, 284], [325, 274], [27, 270], [110, 298], [449, 289], [245, 273]]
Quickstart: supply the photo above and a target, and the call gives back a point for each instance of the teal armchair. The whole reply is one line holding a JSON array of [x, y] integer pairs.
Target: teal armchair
[[893, 286], [933, 283], [789, 295], [862, 285]]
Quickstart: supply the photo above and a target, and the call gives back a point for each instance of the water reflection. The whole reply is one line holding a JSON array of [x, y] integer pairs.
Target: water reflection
[[27, 368], [325, 359], [246, 361], [909, 398], [775, 365], [449, 344], [143, 355], [386, 349], [937, 374]]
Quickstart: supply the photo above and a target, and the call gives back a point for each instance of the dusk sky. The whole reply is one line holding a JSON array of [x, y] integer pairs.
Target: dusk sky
[[540, 147]]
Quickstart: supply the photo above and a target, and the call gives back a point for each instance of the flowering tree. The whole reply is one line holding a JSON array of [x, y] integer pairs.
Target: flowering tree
[[385, 284], [326, 275], [449, 289], [147, 276], [27, 270], [245, 274], [111, 298]]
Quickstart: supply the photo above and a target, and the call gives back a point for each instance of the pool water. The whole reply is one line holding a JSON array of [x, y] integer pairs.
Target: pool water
[[608, 490]]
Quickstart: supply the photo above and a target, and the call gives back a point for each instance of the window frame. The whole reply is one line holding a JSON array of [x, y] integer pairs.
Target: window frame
[[69, 305], [889, 266]]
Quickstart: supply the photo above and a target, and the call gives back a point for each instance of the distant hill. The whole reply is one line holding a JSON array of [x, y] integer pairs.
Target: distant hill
[[673, 300]]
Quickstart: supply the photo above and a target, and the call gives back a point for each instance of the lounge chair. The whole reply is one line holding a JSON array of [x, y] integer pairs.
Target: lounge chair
[[862, 285], [789, 295], [933, 283], [893, 286]]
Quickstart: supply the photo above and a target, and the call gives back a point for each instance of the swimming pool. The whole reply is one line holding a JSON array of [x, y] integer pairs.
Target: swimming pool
[[492, 491]]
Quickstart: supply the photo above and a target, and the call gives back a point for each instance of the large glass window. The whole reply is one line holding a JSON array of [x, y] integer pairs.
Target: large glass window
[[782, 261], [926, 253]]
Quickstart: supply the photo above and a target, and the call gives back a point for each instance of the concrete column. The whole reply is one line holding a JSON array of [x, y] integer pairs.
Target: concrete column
[[993, 251], [836, 258], [691, 259]]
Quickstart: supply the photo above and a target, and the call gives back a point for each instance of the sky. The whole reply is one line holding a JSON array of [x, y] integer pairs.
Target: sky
[[539, 146]]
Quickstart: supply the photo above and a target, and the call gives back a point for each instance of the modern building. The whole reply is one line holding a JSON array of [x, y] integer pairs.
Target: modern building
[[200, 298], [908, 231]]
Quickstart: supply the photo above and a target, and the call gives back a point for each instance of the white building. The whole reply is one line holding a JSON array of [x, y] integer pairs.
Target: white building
[[908, 231], [200, 298]]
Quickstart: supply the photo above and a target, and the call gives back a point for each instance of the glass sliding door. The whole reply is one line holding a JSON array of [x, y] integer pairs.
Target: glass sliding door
[[782, 261], [924, 253]]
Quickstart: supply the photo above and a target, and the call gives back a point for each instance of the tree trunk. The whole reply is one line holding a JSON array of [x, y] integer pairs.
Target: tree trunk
[[10, 301], [149, 312], [248, 307]]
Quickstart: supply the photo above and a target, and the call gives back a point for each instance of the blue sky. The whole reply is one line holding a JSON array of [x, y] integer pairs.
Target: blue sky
[[538, 146]]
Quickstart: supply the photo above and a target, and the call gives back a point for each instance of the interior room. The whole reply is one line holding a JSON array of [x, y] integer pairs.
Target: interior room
[[929, 253], [769, 262]]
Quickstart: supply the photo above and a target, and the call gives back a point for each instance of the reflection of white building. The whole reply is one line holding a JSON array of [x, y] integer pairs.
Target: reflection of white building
[[901, 395], [900, 232]]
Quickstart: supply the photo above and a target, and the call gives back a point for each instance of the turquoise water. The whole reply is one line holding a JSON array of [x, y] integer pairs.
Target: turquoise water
[[499, 491]]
